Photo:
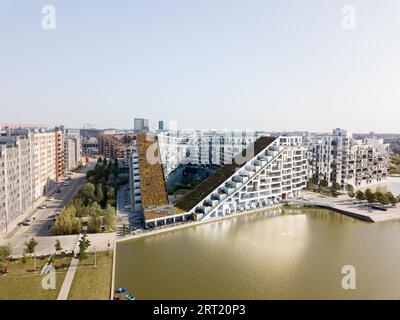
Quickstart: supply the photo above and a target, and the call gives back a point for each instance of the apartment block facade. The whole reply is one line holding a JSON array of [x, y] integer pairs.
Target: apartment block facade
[[72, 149], [339, 158], [276, 172], [16, 178], [202, 147], [44, 162], [116, 145]]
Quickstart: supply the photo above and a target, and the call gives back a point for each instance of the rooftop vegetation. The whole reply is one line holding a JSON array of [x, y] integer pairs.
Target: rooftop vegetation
[[152, 181]]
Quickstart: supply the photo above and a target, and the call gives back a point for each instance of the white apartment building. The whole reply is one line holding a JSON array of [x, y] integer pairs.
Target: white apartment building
[[338, 158], [44, 162], [134, 179], [277, 172], [16, 194], [202, 147], [72, 149]]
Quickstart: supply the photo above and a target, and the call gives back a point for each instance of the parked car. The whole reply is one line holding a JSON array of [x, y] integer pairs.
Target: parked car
[[59, 190], [27, 222], [65, 184], [52, 199], [43, 206]]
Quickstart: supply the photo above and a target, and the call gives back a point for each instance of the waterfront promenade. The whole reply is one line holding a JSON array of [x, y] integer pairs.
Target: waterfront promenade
[[351, 207]]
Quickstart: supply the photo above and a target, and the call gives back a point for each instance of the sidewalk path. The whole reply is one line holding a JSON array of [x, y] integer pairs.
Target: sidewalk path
[[69, 277]]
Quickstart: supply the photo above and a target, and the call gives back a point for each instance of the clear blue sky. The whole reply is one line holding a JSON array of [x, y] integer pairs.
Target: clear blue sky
[[272, 65]]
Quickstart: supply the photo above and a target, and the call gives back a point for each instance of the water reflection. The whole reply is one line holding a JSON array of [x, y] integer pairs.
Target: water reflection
[[283, 253]]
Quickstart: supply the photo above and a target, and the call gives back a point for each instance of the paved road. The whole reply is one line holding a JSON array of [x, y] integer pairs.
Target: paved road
[[41, 227], [43, 219]]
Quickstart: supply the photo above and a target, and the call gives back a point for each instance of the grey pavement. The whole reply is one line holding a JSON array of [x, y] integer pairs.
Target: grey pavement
[[69, 277]]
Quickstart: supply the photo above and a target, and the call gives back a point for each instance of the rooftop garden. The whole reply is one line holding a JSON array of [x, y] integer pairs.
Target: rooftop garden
[[152, 181], [211, 183]]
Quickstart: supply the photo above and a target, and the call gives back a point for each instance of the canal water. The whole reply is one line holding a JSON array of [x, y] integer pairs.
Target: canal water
[[288, 253]]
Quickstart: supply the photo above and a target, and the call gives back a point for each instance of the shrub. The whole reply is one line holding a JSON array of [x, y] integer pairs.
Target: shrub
[[3, 268]]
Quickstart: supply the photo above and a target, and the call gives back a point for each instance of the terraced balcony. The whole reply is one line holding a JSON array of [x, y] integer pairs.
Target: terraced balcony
[[214, 185]]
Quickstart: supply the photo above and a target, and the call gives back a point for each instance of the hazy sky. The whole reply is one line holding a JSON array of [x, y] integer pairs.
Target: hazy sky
[[271, 65]]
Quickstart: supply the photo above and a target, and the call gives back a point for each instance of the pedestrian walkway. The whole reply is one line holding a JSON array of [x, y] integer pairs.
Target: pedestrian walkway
[[69, 277]]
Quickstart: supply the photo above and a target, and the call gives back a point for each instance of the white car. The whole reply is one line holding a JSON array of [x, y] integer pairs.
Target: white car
[[43, 206], [65, 184], [27, 222], [52, 199]]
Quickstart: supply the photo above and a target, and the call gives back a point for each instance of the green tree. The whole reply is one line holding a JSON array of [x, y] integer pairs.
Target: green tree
[[64, 224], [24, 259], [360, 195], [110, 193], [392, 199], [110, 219], [349, 188], [84, 244], [57, 246], [351, 194], [30, 246], [5, 252], [88, 192], [324, 183], [77, 226], [370, 196], [94, 224], [99, 193], [382, 198], [336, 186]]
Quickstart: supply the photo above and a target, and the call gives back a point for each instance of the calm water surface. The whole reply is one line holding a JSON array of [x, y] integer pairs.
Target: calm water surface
[[279, 254]]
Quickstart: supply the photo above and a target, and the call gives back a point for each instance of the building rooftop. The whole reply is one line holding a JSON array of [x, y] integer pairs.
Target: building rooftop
[[152, 183]]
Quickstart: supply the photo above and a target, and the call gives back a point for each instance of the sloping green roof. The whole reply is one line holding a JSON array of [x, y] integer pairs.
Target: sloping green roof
[[152, 182]]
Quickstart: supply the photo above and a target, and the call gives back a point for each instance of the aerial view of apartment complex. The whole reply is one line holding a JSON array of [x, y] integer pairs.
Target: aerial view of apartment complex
[[206, 150]]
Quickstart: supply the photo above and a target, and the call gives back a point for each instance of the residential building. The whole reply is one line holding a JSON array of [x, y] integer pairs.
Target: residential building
[[72, 149], [339, 158], [270, 170], [202, 147], [141, 125], [60, 165], [116, 145], [16, 194], [44, 162]]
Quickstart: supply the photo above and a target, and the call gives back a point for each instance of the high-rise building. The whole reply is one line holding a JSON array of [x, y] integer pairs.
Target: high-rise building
[[141, 125], [60, 166], [44, 162], [202, 147], [339, 158], [16, 178], [72, 149]]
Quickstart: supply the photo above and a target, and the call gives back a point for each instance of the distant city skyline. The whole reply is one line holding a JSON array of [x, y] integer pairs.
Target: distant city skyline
[[272, 66]]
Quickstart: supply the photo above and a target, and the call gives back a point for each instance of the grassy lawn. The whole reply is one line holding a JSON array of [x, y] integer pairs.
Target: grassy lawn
[[92, 283], [21, 283]]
